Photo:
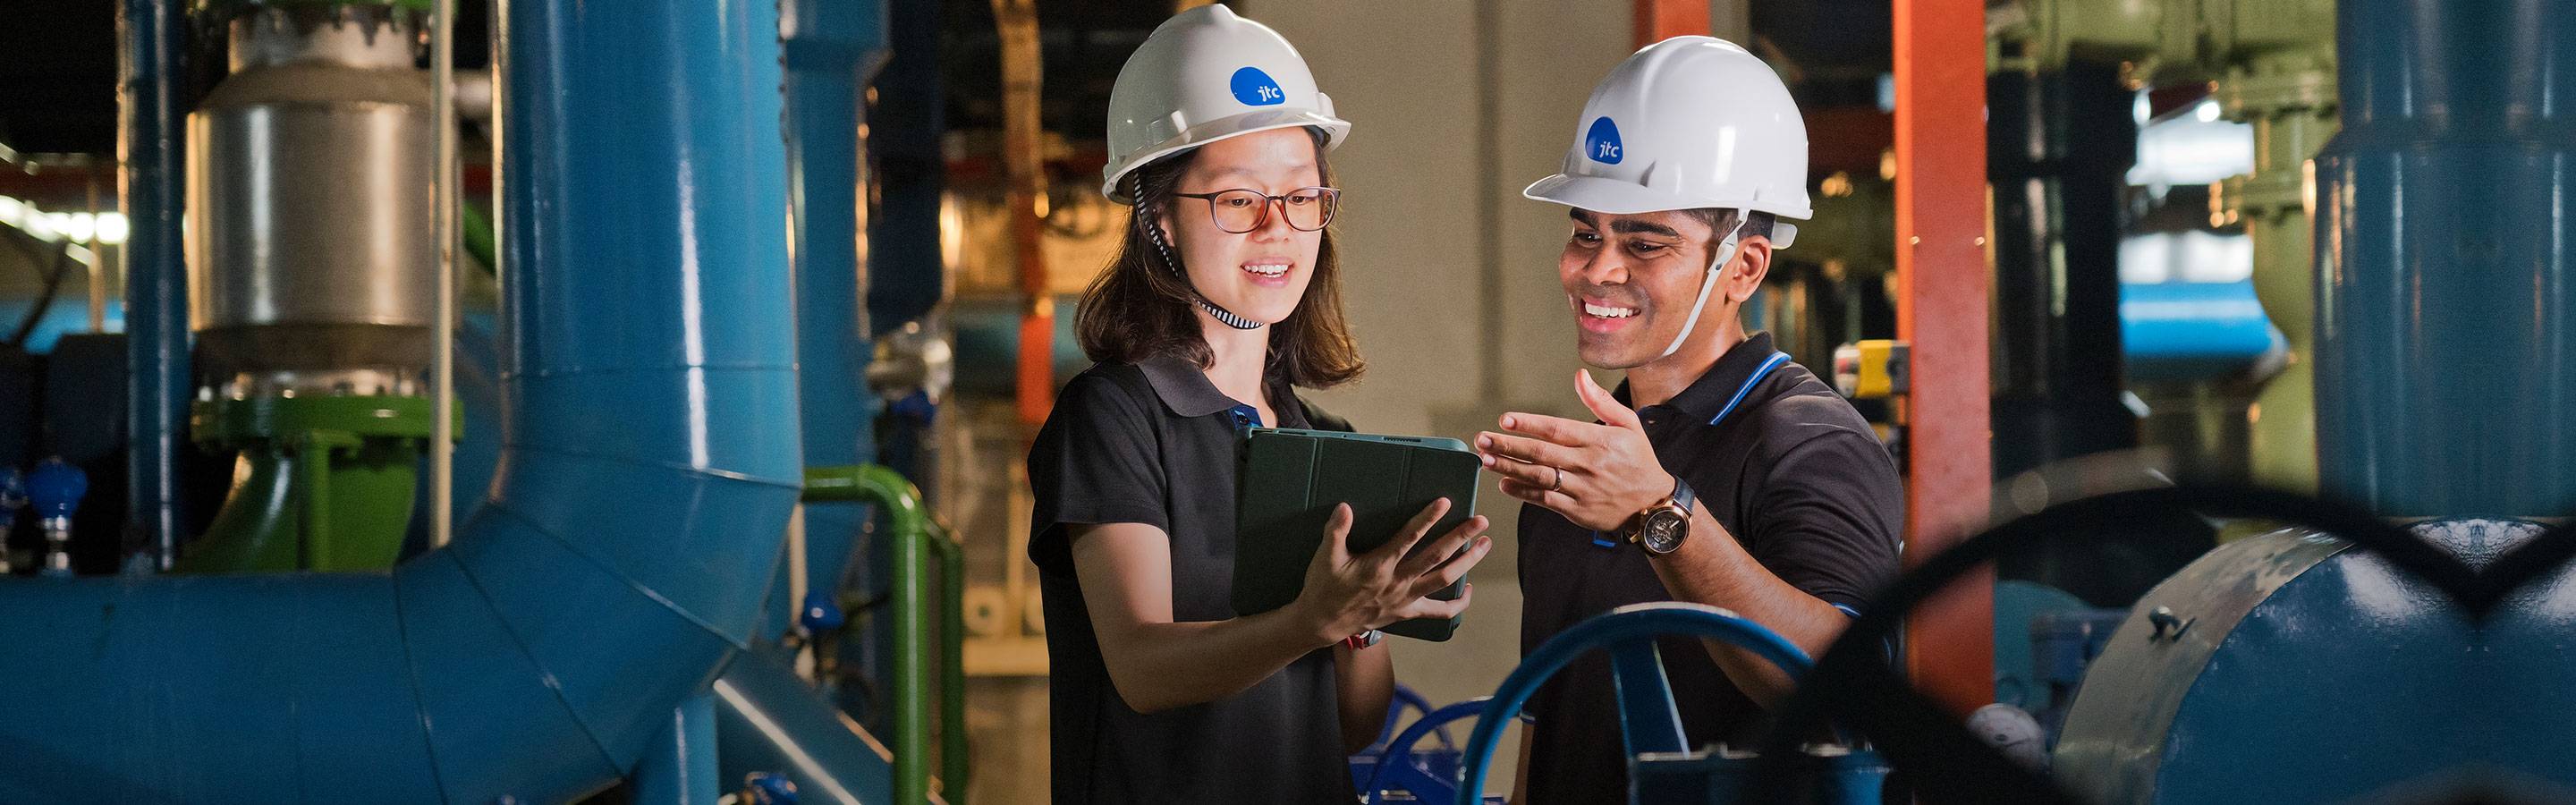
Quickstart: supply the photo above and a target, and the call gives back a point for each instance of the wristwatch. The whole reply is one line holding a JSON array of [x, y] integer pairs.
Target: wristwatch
[[1662, 527], [1364, 639]]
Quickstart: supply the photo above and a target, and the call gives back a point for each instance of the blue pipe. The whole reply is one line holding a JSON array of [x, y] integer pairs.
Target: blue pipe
[[156, 287], [832, 48], [769, 720], [2446, 298], [680, 766], [650, 464]]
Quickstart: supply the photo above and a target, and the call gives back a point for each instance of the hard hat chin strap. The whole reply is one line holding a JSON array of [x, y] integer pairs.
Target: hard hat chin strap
[[1154, 232], [1725, 252]]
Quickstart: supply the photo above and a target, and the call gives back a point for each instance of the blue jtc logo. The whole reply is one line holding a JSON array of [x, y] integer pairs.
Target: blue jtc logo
[[1254, 88], [1601, 143]]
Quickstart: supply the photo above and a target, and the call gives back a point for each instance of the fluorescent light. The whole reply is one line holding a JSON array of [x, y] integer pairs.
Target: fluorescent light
[[2208, 112]]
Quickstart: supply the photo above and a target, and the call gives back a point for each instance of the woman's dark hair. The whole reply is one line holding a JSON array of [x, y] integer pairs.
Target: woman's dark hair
[[1140, 307]]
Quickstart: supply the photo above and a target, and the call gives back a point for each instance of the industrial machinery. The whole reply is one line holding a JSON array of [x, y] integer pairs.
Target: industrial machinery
[[2378, 664], [2254, 657], [313, 286], [622, 607], [684, 562]]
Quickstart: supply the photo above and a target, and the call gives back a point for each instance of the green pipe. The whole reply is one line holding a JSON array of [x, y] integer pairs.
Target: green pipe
[[952, 664], [323, 482], [479, 240], [913, 529], [313, 461]]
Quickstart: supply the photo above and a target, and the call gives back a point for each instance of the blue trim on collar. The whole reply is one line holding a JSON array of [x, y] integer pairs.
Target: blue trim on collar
[[1773, 362]]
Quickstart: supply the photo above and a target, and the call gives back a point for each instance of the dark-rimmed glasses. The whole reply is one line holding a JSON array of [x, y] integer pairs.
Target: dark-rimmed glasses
[[1306, 209]]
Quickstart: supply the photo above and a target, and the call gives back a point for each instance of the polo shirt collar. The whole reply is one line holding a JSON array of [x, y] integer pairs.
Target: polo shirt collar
[[1726, 387], [1184, 388]]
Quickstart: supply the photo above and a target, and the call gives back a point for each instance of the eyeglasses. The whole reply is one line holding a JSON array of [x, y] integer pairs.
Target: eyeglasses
[[1306, 209]]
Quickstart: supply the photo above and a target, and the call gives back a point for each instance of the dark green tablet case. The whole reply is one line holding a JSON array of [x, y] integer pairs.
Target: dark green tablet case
[[1287, 481]]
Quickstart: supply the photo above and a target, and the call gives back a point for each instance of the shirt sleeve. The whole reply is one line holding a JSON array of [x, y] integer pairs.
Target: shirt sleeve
[[1093, 462], [1828, 516]]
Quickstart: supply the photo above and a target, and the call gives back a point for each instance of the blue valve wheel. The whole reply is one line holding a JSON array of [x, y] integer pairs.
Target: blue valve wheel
[[1648, 721], [1428, 775]]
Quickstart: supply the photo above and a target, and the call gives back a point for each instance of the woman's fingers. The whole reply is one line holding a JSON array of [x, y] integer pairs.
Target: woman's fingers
[[1436, 608], [1337, 537], [1391, 554], [1442, 549], [1449, 572]]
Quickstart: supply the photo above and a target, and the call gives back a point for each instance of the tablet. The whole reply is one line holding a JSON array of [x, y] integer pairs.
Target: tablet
[[1287, 482]]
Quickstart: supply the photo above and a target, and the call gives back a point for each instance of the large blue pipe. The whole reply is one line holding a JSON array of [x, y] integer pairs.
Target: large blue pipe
[[833, 46], [2446, 320], [156, 287], [650, 464]]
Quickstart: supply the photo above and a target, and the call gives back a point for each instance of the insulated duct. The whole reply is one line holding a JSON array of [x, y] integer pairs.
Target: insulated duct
[[649, 465]]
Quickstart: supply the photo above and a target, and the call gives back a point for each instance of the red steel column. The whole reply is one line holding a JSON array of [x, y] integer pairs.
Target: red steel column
[[1941, 312]]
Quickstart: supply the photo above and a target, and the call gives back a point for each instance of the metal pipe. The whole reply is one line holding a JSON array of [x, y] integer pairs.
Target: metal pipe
[[832, 47], [680, 768], [2446, 286], [952, 662], [620, 560], [771, 720], [913, 529], [156, 284], [442, 332]]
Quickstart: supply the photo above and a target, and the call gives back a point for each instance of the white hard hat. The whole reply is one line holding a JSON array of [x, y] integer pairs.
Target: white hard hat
[[1205, 75], [1687, 123]]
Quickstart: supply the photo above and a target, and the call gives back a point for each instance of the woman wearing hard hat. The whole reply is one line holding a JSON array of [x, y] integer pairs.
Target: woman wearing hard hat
[[1224, 296]]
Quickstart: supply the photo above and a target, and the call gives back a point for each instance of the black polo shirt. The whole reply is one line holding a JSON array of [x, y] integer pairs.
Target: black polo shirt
[[1154, 443], [1787, 467]]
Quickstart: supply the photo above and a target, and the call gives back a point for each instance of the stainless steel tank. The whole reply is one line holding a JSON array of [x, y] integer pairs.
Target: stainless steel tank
[[309, 167]]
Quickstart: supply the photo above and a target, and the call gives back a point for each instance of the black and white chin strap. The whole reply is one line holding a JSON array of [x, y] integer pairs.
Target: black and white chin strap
[[1155, 232]]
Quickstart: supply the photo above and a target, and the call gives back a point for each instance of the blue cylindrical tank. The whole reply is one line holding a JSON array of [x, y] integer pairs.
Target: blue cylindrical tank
[[2287, 668], [2446, 309]]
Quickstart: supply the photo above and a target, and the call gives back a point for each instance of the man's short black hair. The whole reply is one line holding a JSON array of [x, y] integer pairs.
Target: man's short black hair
[[1720, 219]]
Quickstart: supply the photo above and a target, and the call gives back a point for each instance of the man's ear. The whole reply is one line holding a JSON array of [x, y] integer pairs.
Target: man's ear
[[1745, 270]]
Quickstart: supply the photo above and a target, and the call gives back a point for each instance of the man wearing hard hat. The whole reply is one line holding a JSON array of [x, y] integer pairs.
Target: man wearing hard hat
[[1720, 472]]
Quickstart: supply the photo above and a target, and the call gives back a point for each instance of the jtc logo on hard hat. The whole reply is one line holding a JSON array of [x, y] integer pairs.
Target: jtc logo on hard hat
[[1254, 88], [1602, 142]]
